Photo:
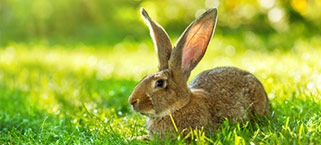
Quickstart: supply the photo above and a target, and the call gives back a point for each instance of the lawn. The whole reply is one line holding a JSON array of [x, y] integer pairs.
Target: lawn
[[78, 94]]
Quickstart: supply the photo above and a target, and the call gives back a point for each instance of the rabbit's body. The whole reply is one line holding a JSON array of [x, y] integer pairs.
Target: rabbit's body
[[229, 93], [195, 114], [233, 91], [213, 95]]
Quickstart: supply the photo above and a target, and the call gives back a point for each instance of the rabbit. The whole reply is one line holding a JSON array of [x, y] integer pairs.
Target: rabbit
[[212, 96]]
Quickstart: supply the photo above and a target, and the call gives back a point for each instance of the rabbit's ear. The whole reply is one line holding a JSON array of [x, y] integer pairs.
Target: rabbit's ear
[[192, 44], [163, 46]]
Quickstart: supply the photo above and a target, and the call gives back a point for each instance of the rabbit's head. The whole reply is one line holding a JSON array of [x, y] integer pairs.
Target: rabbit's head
[[163, 92]]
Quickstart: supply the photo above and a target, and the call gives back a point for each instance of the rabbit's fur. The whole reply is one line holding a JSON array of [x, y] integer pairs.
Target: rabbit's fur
[[212, 96]]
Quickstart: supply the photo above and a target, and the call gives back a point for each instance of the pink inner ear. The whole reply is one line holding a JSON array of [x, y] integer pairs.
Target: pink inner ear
[[197, 41]]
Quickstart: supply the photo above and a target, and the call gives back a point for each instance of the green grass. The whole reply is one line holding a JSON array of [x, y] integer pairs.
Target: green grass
[[61, 95]]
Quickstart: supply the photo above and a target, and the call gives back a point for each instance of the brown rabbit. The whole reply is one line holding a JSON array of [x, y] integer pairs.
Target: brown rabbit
[[213, 95]]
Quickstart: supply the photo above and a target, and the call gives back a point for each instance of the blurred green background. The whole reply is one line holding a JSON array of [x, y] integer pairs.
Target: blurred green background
[[108, 22]]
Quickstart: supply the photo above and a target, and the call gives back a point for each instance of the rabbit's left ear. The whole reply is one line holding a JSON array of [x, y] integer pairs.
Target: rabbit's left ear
[[163, 45], [192, 44]]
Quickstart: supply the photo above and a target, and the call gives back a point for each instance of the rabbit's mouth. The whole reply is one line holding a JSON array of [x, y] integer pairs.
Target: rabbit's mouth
[[144, 111]]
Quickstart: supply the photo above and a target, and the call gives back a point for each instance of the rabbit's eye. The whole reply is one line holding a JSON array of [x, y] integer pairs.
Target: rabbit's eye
[[159, 83]]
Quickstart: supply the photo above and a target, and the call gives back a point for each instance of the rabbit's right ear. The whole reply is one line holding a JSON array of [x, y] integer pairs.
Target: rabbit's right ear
[[192, 44], [163, 46]]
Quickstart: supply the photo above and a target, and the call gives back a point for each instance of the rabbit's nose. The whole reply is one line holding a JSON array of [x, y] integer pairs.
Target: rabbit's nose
[[132, 101]]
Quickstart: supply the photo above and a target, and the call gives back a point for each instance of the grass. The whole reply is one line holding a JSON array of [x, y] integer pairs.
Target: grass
[[58, 95]]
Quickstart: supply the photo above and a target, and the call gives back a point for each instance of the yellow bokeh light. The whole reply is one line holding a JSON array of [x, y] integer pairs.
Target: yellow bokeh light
[[300, 6]]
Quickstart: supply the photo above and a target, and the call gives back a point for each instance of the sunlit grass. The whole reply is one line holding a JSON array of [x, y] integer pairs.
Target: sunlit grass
[[79, 94]]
